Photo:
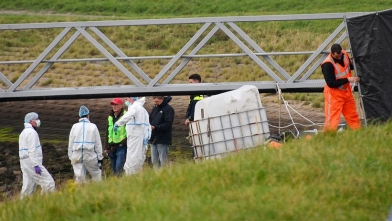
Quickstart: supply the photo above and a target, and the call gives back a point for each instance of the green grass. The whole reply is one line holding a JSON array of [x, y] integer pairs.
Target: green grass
[[192, 8], [7, 134], [338, 176]]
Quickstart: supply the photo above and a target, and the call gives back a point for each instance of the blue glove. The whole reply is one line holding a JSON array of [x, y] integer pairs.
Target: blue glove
[[145, 141], [115, 128], [37, 170]]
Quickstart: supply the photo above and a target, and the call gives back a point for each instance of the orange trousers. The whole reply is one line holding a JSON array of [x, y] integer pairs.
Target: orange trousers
[[339, 102]]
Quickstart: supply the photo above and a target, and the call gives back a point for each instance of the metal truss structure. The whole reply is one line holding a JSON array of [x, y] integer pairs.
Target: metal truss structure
[[161, 83]]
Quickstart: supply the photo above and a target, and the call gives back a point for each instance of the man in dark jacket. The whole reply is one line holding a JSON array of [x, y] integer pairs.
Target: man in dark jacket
[[193, 99], [161, 121]]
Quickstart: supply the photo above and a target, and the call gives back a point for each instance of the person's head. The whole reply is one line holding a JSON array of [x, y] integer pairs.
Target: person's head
[[195, 78], [83, 111], [129, 100], [158, 100], [117, 104], [336, 51], [32, 118]]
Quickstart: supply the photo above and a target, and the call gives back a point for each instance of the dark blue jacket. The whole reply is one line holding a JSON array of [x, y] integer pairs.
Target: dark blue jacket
[[161, 118]]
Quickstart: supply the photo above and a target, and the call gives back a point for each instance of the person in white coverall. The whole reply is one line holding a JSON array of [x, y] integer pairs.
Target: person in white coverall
[[138, 134], [85, 148], [30, 154]]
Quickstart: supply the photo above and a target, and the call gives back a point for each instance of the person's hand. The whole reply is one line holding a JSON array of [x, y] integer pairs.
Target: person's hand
[[152, 127], [100, 164], [353, 79], [187, 121], [105, 154], [37, 170], [115, 128]]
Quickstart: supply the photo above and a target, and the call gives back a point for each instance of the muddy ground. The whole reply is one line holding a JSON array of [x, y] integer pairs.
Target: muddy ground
[[58, 116]]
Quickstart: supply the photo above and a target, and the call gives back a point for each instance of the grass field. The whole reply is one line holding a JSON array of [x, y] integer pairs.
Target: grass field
[[192, 8], [343, 176]]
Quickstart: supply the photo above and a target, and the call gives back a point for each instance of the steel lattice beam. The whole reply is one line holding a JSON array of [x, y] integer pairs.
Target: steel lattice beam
[[296, 82]]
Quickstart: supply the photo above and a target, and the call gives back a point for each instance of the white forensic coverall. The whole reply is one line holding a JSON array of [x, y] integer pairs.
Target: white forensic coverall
[[30, 154], [84, 150], [138, 133]]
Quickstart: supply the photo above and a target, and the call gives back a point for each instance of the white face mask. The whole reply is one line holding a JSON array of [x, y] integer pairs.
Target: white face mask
[[38, 122], [127, 103]]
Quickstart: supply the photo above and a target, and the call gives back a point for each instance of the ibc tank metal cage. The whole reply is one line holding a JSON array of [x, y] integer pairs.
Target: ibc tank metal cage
[[216, 137]]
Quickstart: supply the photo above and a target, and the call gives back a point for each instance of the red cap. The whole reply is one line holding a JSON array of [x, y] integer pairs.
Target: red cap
[[117, 100]]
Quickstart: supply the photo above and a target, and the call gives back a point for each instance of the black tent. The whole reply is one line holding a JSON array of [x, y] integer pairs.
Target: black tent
[[371, 44]]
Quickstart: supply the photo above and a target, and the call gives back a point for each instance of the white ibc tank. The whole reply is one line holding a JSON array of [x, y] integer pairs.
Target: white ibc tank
[[244, 98], [229, 122]]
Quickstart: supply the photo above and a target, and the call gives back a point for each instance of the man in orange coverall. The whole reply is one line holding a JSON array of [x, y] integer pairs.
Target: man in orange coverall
[[338, 96]]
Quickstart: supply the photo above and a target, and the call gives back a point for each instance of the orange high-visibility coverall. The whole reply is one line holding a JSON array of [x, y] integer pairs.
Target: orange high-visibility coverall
[[340, 100]]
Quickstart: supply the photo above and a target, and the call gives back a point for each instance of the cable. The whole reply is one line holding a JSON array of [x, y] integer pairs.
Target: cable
[[300, 114], [288, 111], [291, 118], [289, 125]]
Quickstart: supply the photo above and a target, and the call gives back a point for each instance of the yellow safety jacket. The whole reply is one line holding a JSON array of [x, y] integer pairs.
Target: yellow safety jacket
[[121, 132]]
